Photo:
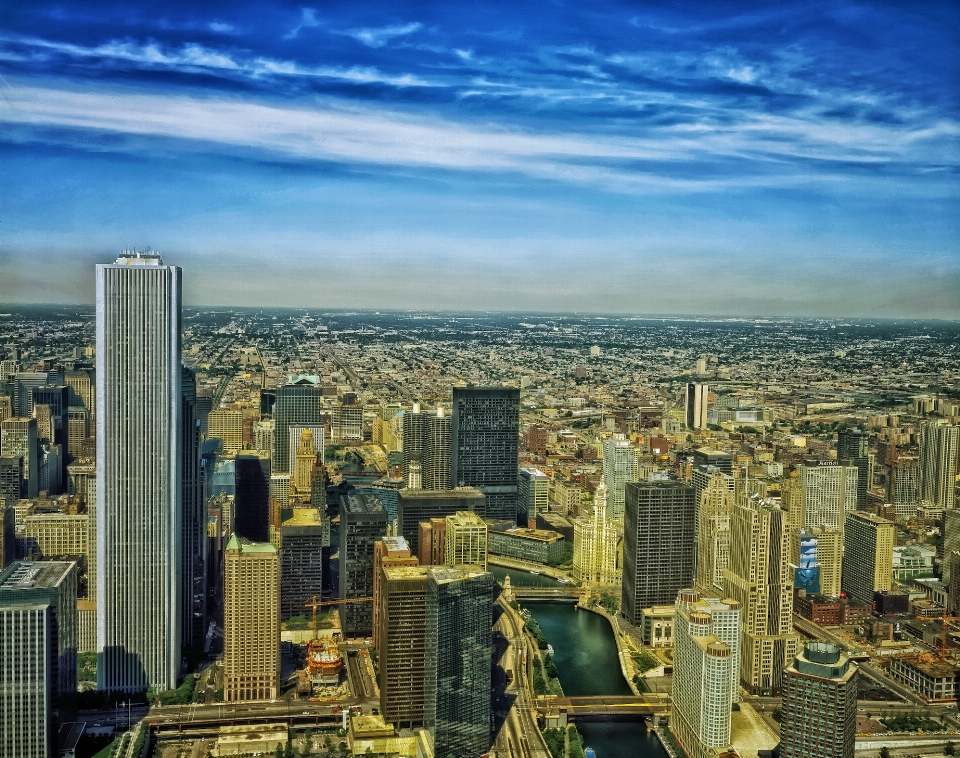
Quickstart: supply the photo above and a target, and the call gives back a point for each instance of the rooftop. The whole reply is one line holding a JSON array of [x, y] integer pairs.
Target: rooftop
[[304, 517], [28, 575], [246, 546]]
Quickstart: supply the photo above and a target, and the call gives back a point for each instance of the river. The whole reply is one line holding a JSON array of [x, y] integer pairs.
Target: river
[[586, 657]]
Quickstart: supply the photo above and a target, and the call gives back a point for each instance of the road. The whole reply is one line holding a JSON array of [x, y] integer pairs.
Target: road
[[519, 737]]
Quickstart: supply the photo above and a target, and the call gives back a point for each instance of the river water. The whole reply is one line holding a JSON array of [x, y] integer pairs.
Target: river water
[[586, 657]]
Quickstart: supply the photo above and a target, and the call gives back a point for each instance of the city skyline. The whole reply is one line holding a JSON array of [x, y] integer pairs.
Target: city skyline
[[787, 161]]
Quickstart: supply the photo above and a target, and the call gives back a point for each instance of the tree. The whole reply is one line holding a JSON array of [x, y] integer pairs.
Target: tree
[[949, 749], [278, 753], [884, 752]]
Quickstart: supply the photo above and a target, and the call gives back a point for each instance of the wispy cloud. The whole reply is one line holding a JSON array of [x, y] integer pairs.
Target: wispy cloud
[[378, 37], [767, 150], [308, 19]]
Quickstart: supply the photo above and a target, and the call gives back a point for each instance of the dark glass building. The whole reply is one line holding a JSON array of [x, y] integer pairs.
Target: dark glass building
[[194, 523], [252, 497], [299, 403], [363, 520], [414, 506], [302, 539], [659, 540], [485, 440], [58, 398], [853, 449], [458, 660]]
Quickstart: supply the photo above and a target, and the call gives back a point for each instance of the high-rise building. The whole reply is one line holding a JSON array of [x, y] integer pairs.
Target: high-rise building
[[938, 464], [193, 580], [18, 437], [465, 541], [533, 494], [402, 636], [28, 727], [363, 521], [416, 506], [486, 433], [695, 405], [432, 541], [295, 437], [8, 532], [659, 537], [435, 459], [303, 537], [597, 541], [263, 437], [706, 664], [416, 437], [24, 383], [457, 660], [305, 463], [853, 449], [251, 621], [82, 391], [226, 426], [829, 493], [713, 533], [868, 543], [759, 577], [139, 509], [252, 497], [57, 398], [819, 704], [905, 486], [51, 583], [297, 403], [619, 467], [816, 556], [11, 479], [387, 552], [78, 427], [951, 540]]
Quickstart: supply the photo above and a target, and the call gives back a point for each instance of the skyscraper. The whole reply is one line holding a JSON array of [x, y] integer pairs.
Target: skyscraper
[[706, 663], [695, 405], [619, 467], [252, 497], [416, 436], [905, 486], [533, 494], [659, 537], [11, 476], [596, 545], [868, 543], [829, 493], [297, 403], [57, 398], [363, 521], [457, 660], [18, 437], [139, 435], [402, 636], [387, 552], [251, 621], [194, 575], [951, 540], [302, 539], [486, 430], [759, 577], [853, 450], [713, 533], [38, 667], [938, 464], [435, 459], [816, 556], [819, 704], [417, 506], [228, 427]]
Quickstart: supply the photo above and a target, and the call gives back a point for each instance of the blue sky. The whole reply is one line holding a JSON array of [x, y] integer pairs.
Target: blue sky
[[795, 158]]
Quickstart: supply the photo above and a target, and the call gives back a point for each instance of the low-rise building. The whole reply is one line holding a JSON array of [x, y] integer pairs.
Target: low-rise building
[[656, 624], [912, 562], [935, 681], [830, 611], [537, 545]]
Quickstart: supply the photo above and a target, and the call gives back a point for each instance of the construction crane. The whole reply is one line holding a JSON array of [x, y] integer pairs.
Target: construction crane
[[943, 632], [337, 601]]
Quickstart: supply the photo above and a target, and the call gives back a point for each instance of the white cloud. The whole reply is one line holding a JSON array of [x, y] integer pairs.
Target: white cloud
[[378, 37], [308, 18]]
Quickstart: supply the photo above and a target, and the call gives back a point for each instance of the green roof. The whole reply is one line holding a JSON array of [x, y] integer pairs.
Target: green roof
[[246, 546]]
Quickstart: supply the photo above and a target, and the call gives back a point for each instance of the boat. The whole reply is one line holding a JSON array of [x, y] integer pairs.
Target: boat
[[564, 580], [550, 649], [588, 753], [534, 571]]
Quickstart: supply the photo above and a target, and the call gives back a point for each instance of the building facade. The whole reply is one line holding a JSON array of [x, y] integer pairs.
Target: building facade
[[417, 506], [619, 467], [868, 542], [938, 464], [695, 405], [828, 493], [303, 537], [251, 621], [713, 533], [819, 704], [403, 619], [139, 510], [533, 494], [659, 537], [485, 443], [363, 521], [597, 545], [465, 541]]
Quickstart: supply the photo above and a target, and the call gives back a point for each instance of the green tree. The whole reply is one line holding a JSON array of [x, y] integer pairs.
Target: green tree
[[278, 753], [884, 752], [288, 748], [949, 749]]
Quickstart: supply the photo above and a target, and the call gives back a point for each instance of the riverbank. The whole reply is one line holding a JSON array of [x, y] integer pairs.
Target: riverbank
[[527, 566]]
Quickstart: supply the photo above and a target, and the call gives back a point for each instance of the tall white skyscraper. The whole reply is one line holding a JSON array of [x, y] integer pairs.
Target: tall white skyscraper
[[829, 493], [619, 467], [139, 515]]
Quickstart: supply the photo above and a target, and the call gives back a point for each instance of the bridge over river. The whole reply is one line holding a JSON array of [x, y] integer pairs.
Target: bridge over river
[[630, 707]]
